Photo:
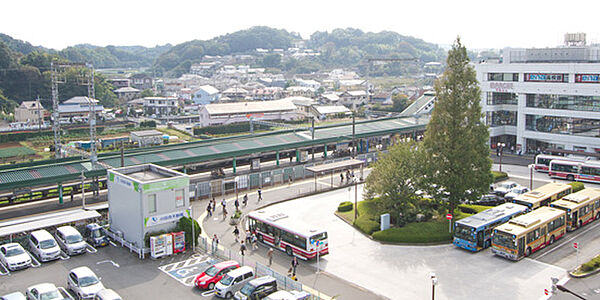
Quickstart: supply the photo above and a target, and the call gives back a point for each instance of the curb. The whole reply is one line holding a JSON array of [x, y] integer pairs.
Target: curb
[[584, 274]]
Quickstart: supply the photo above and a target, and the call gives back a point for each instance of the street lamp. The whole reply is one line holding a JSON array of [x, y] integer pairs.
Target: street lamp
[[433, 284], [531, 167], [501, 147]]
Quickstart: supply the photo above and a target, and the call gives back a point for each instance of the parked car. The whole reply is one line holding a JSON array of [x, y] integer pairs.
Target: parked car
[[504, 187], [95, 235], [14, 257], [70, 240], [43, 245], [212, 275], [13, 296], [233, 281], [291, 295], [516, 191], [107, 294], [258, 288], [84, 283], [489, 200], [44, 291]]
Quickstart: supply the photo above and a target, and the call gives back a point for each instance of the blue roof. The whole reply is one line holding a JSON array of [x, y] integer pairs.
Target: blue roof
[[492, 215]]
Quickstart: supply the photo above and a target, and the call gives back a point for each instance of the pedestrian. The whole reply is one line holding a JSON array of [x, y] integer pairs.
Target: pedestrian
[[224, 204], [237, 204], [259, 195], [209, 210], [236, 233], [341, 177], [214, 205], [512, 149], [224, 213], [254, 242], [245, 201], [248, 237], [270, 256], [291, 179], [215, 243], [348, 175], [242, 248], [294, 265], [291, 157]]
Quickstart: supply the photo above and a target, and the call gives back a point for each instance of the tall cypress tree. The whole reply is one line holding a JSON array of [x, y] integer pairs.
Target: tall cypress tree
[[456, 137]]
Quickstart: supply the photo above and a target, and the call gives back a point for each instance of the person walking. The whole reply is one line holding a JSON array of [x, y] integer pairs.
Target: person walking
[[215, 244], [245, 200], [209, 210], [270, 256], [224, 204], [242, 248], [294, 265], [259, 195], [214, 205], [254, 242], [224, 213], [342, 178], [237, 204], [236, 233]]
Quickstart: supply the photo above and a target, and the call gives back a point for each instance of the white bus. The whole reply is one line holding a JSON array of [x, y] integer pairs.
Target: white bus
[[286, 234], [542, 161]]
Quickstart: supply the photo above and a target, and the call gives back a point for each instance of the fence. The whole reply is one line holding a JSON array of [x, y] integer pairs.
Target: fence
[[141, 252]]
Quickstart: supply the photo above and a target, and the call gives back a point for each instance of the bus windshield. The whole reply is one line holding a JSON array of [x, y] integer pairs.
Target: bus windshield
[[464, 232], [504, 240], [320, 236], [525, 203]]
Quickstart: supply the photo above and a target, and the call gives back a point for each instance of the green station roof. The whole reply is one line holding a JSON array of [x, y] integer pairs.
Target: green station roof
[[69, 169]]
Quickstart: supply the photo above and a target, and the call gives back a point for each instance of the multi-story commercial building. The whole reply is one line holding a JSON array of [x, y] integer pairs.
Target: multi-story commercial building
[[534, 99]]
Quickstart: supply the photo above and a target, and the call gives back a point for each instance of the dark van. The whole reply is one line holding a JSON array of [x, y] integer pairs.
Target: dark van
[[258, 288]]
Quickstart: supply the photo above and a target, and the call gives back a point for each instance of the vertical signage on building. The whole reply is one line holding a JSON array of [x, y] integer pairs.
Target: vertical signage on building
[[587, 78]]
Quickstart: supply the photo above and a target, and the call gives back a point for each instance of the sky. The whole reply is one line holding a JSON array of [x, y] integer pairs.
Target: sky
[[480, 24]]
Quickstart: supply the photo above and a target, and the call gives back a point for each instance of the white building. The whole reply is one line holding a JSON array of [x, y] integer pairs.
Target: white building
[[205, 94], [228, 113], [543, 98], [31, 112], [161, 105]]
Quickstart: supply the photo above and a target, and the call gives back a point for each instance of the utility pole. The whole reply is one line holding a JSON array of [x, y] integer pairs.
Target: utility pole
[[353, 134], [122, 155], [83, 190], [92, 115], [55, 115], [39, 114], [312, 131]]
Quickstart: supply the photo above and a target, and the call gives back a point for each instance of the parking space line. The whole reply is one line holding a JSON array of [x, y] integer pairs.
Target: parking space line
[[208, 293], [113, 244], [5, 270], [63, 255], [34, 262], [90, 248]]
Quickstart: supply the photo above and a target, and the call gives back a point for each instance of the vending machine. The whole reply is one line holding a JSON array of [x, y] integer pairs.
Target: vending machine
[[168, 238], [178, 242], [157, 246]]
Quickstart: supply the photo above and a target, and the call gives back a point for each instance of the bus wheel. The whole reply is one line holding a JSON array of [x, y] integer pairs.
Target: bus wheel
[[288, 250], [570, 177], [528, 251], [551, 240]]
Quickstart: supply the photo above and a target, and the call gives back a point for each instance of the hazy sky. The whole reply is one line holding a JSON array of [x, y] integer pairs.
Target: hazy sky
[[481, 24]]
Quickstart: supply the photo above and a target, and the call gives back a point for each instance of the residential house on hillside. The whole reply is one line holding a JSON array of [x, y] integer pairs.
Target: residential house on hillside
[[184, 94], [79, 106], [235, 94], [141, 81], [300, 91], [329, 98], [382, 98], [205, 94], [308, 83], [31, 112], [303, 103], [127, 93], [229, 113], [349, 98], [352, 84], [161, 106], [119, 82], [268, 93]]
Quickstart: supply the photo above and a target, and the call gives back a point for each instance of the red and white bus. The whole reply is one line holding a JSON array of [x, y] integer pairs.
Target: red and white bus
[[564, 169], [589, 171], [286, 234], [542, 161]]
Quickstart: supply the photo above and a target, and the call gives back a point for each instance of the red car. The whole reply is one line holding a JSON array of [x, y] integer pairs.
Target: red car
[[212, 275]]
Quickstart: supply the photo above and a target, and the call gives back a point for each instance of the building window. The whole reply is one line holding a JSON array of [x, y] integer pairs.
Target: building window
[[503, 76], [563, 125], [179, 200], [495, 98], [566, 102], [501, 118], [545, 77], [151, 204]]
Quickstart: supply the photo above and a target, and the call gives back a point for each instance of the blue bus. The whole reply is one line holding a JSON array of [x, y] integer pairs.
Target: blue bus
[[474, 233]]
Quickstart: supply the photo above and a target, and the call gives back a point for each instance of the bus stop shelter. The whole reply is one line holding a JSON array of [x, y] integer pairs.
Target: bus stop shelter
[[336, 166]]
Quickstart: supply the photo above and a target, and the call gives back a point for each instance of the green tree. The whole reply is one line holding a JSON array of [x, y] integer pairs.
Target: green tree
[[185, 224], [400, 102], [395, 179], [6, 106], [455, 140], [272, 61]]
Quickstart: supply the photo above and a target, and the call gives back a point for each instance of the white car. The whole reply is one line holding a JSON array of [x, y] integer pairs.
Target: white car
[[516, 191], [504, 187], [84, 283], [70, 240], [14, 296], [44, 291], [43, 245], [14, 257]]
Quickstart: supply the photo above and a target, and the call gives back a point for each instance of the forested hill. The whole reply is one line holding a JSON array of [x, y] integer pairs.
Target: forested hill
[[114, 56]]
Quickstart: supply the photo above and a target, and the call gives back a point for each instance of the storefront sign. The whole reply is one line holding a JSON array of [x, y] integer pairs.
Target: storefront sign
[[544, 77], [165, 218], [587, 78], [166, 185], [501, 86]]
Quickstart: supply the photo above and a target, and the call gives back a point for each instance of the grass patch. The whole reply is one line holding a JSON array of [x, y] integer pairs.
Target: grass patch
[[472, 209], [577, 186], [498, 176], [589, 266], [16, 151]]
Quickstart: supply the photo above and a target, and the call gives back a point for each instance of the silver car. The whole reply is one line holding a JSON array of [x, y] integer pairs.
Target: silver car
[[14, 257], [84, 283], [70, 240]]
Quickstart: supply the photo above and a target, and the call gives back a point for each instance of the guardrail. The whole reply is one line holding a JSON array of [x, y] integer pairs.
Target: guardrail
[[141, 252]]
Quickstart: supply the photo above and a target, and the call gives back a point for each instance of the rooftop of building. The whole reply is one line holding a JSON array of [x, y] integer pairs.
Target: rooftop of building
[[147, 172]]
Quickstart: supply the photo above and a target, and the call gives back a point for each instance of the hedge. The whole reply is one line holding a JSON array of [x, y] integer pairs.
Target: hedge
[[498, 176], [345, 206], [577, 186], [591, 265], [472, 209], [424, 232], [151, 124], [365, 224]]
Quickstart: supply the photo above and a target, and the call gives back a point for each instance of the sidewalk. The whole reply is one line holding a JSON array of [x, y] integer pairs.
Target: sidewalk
[[323, 282]]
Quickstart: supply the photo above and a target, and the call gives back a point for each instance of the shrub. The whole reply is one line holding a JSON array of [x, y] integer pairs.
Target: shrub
[[587, 267], [185, 224], [577, 186], [366, 224], [345, 206], [424, 232], [498, 176], [472, 209]]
